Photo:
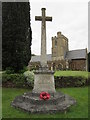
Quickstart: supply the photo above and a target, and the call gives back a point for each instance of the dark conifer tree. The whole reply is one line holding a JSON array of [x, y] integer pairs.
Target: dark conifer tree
[[16, 35], [89, 62]]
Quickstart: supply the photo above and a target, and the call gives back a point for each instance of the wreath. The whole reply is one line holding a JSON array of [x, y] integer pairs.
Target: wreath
[[44, 95]]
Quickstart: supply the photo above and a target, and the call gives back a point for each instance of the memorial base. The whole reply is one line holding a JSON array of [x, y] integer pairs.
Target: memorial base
[[31, 103], [44, 81]]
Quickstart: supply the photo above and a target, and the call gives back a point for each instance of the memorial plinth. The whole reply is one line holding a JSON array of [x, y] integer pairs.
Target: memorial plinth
[[43, 82]]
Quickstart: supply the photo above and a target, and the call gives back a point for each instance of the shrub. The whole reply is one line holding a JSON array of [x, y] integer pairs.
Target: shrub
[[23, 70], [9, 70], [70, 81], [17, 79], [29, 75], [27, 80]]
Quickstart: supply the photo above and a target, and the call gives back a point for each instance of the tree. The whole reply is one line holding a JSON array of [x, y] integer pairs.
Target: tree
[[89, 61], [16, 35]]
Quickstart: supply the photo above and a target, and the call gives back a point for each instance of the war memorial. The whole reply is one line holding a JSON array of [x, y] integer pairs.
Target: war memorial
[[43, 98]]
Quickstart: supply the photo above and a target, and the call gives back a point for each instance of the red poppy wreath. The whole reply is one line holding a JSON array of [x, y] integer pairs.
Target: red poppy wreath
[[44, 95]]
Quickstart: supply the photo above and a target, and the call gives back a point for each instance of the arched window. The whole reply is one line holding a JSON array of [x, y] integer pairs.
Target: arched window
[[60, 66]]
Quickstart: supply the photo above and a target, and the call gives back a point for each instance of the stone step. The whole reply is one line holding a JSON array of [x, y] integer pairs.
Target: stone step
[[36, 99], [42, 106]]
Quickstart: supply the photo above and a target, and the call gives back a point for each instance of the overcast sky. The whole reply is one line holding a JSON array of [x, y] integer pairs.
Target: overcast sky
[[71, 18]]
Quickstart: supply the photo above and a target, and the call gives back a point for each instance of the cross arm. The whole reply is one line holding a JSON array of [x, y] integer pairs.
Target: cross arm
[[39, 18], [48, 19]]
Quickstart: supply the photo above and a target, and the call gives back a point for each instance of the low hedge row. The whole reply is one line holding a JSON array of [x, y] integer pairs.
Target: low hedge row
[[19, 80], [13, 80], [71, 81]]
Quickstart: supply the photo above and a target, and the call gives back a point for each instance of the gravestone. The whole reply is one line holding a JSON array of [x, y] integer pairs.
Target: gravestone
[[43, 82]]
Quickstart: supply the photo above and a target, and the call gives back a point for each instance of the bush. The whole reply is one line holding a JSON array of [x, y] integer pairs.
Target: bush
[[27, 80], [18, 80], [70, 81], [9, 70], [23, 70], [14, 80], [29, 75]]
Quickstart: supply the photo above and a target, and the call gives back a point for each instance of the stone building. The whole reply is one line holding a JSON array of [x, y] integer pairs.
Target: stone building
[[61, 58]]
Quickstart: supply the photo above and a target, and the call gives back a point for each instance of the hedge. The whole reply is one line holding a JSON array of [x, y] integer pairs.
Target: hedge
[[19, 80], [13, 80], [71, 81]]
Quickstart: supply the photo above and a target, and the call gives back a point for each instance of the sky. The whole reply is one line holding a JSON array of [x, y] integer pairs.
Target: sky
[[70, 18]]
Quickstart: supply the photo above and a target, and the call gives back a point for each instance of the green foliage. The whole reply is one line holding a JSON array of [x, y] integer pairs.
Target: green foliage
[[27, 79], [17, 79], [71, 78], [80, 110], [9, 70], [89, 61], [29, 75], [23, 70], [70, 81], [16, 34]]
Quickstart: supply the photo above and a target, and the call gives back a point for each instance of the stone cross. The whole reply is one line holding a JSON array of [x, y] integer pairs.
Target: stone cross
[[43, 18]]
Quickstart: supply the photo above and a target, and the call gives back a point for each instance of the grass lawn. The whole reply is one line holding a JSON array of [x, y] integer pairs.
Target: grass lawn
[[72, 73], [80, 110]]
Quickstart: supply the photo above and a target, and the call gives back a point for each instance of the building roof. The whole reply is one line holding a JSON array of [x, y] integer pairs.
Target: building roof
[[37, 58], [74, 54]]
